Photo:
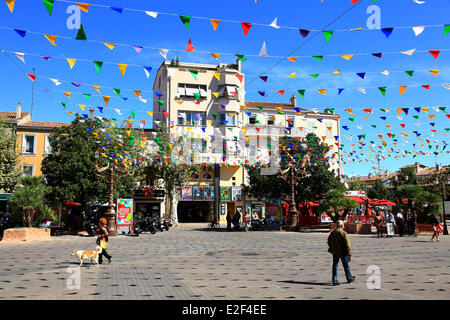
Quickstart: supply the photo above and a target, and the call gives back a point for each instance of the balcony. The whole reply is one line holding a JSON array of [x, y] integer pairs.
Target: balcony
[[272, 130]]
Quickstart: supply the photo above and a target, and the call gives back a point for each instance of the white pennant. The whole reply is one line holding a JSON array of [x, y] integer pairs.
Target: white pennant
[[263, 51], [435, 109], [164, 52], [20, 56], [446, 86], [118, 111], [147, 74], [362, 90], [143, 100], [409, 52], [55, 82], [385, 72], [419, 2], [171, 71], [274, 24], [152, 14], [418, 30], [359, 127]]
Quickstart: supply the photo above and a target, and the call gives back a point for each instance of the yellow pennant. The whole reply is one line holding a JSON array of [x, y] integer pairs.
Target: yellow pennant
[[217, 75], [293, 59], [188, 128], [431, 116], [69, 112], [128, 132], [97, 88], [425, 110], [68, 94], [215, 55], [83, 6], [10, 4], [402, 89], [366, 118], [243, 106], [71, 62], [322, 91], [209, 122], [82, 106], [244, 130], [350, 111], [337, 72], [150, 113], [179, 102], [215, 23], [347, 56], [292, 75], [106, 98], [215, 94], [113, 124], [388, 125], [109, 45], [51, 39], [123, 68], [357, 29], [137, 93], [435, 72]]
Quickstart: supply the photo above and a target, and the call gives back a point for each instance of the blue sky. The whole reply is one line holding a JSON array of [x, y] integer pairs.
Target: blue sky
[[167, 31]]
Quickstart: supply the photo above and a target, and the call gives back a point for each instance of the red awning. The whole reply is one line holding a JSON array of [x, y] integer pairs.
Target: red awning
[[71, 204], [358, 200], [383, 203]]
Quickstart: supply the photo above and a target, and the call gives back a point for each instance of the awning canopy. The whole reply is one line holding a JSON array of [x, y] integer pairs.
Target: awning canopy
[[359, 200], [71, 204]]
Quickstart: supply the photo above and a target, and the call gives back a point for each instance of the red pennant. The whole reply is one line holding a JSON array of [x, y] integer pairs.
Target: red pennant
[[448, 116], [190, 47], [166, 114], [246, 27], [234, 93], [281, 92], [367, 110], [434, 130], [197, 102], [354, 1], [402, 125], [143, 121], [381, 136], [435, 53], [240, 77], [31, 76], [426, 86]]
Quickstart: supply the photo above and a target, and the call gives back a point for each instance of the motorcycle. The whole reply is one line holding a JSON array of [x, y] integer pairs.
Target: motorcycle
[[158, 224], [91, 227], [136, 227], [147, 224], [164, 224]]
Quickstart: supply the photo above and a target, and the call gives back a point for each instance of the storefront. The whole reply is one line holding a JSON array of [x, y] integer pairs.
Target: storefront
[[256, 208], [4, 197], [149, 202], [196, 203], [230, 201]]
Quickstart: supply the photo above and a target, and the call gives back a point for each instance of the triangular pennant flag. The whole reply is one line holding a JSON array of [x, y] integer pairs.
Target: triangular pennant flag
[[315, 75], [387, 31], [117, 92], [378, 54], [81, 35], [263, 51], [435, 53], [137, 93], [150, 113], [293, 59], [68, 94], [98, 65], [21, 33], [116, 9], [409, 73], [402, 89], [340, 90], [241, 57], [51, 39], [409, 52], [164, 52], [426, 86], [301, 92], [347, 56], [10, 4], [152, 14], [240, 77], [20, 56], [281, 92], [304, 33], [292, 75], [147, 71], [246, 27], [322, 91], [109, 45], [337, 72], [382, 90], [122, 68], [71, 62], [49, 5], [418, 30], [137, 48], [82, 106], [86, 96], [133, 113], [190, 47], [215, 23], [216, 94], [362, 75], [264, 78], [106, 98], [31, 76], [318, 58], [327, 35], [446, 29], [185, 20], [194, 73], [434, 72], [216, 75], [215, 55], [83, 6]]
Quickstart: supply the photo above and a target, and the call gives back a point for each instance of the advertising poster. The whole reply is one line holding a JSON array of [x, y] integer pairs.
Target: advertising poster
[[273, 208], [124, 215], [186, 193], [225, 193], [236, 194], [208, 193], [197, 193]]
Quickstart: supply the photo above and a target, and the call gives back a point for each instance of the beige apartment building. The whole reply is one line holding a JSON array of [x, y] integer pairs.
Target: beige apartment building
[[206, 105]]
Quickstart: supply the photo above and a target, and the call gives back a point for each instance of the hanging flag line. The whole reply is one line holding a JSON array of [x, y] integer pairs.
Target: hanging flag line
[[110, 45], [21, 56], [185, 19]]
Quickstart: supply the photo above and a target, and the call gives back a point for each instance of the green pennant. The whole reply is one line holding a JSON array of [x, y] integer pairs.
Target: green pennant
[[447, 129], [384, 110], [331, 110], [364, 136], [117, 91], [442, 108], [197, 96], [185, 20], [315, 75], [410, 73], [98, 65], [318, 58], [49, 5], [382, 90], [327, 35], [86, 96], [161, 103], [351, 119], [301, 92], [214, 115], [260, 108], [133, 113], [446, 29], [241, 57], [417, 117], [64, 104], [194, 73], [372, 142], [393, 136], [81, 35], [373, 125]]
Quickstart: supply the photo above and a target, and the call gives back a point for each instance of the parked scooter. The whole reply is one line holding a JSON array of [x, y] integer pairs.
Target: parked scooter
[[164, 223], [147, 224], [91, 227]]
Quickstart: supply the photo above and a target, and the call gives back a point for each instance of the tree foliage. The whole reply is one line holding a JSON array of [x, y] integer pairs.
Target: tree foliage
[[9, 159]]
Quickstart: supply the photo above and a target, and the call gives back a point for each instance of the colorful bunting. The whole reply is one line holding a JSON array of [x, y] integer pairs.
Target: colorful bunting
[[190, 47], [81, 35], [49, 5], [246, 27], [327, 35], [122, 68]]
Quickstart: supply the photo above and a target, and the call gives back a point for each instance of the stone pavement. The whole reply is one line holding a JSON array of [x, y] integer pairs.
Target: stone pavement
[[190, 263]]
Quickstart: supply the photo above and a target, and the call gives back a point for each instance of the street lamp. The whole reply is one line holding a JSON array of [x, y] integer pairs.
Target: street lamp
[[437, 181]]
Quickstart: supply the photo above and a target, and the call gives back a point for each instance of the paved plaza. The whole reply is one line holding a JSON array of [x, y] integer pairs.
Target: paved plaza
[[194, 264]]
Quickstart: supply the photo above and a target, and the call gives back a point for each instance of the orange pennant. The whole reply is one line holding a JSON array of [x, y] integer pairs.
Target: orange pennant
[[122, 68], [83, 6], [215, 55], [106, 98], [110, 45], [293, 59], [215, 23], [51, 39], [402, 90]]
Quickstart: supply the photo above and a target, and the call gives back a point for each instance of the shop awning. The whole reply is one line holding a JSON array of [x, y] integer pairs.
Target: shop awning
[[71, 204], [5, 196], [358, 200]]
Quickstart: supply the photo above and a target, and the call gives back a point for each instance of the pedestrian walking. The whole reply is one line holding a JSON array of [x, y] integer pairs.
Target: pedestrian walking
[[236, 220], [379, 224], [246, 220], [400, 223], [436, 227], [102, 241], [410, 222], [339, 246], [228, 221], [390, 224]]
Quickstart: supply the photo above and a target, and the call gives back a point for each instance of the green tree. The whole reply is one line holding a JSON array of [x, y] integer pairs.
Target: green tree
[[9, 159], [424, 202], [335, 203], [379, 191], [27, 198], [82, 147]]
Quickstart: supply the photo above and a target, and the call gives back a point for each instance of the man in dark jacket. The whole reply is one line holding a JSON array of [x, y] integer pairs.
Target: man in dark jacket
[[339, 246]]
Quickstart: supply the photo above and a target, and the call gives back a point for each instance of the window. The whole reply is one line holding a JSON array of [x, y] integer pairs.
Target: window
[[290, 121], [228, 119], [28, 170], [47, 146], [271, 120], [186, 118], [191, 90], [28, 144], [252, 119]]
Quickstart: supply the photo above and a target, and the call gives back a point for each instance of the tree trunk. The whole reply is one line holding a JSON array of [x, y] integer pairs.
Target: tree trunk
[[29, 217]]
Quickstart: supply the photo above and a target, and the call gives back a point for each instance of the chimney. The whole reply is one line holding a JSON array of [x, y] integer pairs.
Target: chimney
[[293, 100], [238, 62], [18, 112]]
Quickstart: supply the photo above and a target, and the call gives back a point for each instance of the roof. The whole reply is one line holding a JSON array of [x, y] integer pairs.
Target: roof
[[270, 105], [11, 115], [44, 124]]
